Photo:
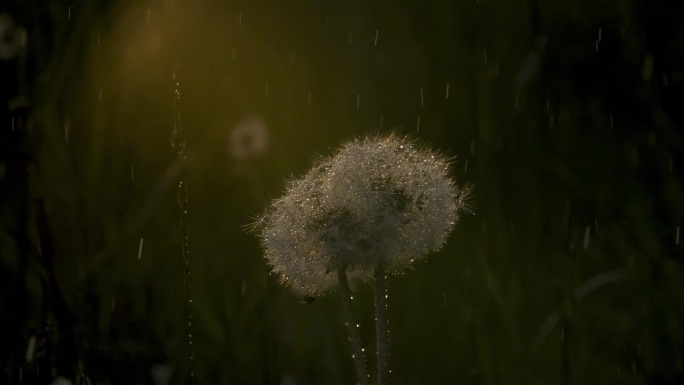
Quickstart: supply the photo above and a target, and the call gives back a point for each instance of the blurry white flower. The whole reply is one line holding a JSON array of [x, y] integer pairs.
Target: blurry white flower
[[379, 199], [161, 374], [248, 139], [12, 37], [61, 381]]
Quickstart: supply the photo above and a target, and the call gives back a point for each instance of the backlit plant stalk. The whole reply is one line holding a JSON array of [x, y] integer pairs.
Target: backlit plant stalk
[[370, 210]]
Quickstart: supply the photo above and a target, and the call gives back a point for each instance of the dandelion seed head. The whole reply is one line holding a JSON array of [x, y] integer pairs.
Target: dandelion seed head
[[378, 199]]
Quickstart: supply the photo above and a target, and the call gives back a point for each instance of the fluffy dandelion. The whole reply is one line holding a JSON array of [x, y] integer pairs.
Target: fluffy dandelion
[[375, 207]]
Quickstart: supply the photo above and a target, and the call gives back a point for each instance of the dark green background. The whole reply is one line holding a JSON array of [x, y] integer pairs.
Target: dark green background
[[568, 273]]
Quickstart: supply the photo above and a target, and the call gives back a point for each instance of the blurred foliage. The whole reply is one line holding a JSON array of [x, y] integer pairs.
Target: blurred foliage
[[563, 115]]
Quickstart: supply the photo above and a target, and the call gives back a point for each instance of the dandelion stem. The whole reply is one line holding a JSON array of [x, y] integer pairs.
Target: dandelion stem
[[350, 320], [381, 328]]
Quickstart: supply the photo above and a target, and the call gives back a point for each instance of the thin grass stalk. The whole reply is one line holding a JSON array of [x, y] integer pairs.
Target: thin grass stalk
[[381, 325], [357, 348]]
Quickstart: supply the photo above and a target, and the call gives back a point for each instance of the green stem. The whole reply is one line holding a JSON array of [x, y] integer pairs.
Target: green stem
[[350, 321], [381, 327]]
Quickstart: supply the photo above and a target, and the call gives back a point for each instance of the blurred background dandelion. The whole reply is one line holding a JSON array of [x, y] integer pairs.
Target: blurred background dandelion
[[563, 115]]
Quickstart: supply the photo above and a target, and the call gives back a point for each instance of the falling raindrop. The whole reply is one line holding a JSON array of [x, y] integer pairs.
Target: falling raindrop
[[485, 58], [465, 170], [140, 247], [377, 32], [472, 147], [444, 295], [31, 349], [677, 237], [358, 101], [587, 232], [67, 125], [422, 101], [447, 91], [418, 125], [596, 225], [243, 288]]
